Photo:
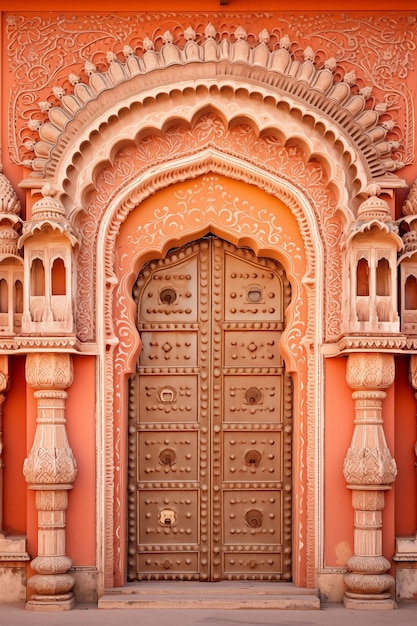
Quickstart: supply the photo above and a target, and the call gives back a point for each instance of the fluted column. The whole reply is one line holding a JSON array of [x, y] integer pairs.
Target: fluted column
[[50, 470], [369, 470]]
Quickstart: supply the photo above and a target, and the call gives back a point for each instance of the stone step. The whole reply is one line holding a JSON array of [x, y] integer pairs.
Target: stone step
[[225, 595]]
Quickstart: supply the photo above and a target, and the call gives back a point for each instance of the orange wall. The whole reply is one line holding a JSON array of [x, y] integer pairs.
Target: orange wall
[[81, 514], [400, 512], [405, 438], [14, 439], [338, 429]]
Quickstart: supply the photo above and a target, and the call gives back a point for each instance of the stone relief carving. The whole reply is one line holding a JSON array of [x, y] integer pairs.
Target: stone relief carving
[[408, 263], [369, 470], [258, 54], [11, 262], [50, 469], [131, 162], [378, 48], [50, 460]]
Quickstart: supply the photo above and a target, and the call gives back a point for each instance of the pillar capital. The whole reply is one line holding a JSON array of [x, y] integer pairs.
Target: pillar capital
[[371, 370], [49, 370]]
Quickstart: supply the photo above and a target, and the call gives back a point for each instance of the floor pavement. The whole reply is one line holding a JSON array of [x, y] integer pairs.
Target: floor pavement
[[328, 615]]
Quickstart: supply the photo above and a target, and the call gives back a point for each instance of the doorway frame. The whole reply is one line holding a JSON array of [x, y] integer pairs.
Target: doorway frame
[[300, 348]]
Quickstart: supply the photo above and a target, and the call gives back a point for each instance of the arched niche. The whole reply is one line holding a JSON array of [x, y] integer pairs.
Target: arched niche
[[148, 225]]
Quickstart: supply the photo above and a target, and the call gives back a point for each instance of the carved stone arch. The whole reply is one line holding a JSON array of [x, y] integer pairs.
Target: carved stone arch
[[176, 158], [158, 225], [338, 111]]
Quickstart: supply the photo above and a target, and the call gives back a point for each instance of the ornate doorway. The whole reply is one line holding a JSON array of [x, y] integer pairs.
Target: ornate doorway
[[210, 419]]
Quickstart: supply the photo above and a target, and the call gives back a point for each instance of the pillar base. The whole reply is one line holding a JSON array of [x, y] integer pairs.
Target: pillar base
[[64, 602], [371, 602]]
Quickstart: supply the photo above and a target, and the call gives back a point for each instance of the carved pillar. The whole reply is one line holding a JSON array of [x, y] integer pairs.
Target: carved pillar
[[369, 470], [50, 470]]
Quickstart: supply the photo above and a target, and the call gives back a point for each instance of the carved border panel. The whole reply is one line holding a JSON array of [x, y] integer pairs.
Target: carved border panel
[[379, 48]]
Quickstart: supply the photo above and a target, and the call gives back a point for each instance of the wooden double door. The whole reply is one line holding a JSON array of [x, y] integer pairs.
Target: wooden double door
[[210, 419]]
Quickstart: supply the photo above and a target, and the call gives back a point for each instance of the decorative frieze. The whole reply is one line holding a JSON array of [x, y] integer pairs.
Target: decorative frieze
[[50, 469], [369, 470], [295, 46]]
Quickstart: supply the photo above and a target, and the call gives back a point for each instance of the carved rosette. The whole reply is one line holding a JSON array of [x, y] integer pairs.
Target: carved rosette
[[369, 470], [50, 469]]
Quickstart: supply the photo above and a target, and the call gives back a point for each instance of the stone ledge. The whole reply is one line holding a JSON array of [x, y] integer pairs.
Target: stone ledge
[[13, 548], [406, 549]]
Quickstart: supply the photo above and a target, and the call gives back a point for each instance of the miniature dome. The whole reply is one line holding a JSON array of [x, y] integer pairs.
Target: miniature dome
[[374, 208], [9, 202], [48, 207]]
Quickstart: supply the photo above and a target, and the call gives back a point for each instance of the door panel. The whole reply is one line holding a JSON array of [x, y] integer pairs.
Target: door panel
[[210, 419]]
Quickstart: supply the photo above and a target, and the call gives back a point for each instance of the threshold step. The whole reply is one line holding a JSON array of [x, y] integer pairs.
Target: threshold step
[[184, 595]]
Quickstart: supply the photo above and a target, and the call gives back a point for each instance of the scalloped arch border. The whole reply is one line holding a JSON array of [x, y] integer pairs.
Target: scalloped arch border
[[340, 112]]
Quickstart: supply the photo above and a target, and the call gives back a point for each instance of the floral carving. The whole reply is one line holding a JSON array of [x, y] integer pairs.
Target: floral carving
[[367, 46], [49, 370], [50, 466], [369, 466], [374, 371], [267, 152]]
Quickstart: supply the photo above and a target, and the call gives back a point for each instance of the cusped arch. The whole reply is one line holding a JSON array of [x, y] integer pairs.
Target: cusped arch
[[164, 160], [99, 152], [195, 214]]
